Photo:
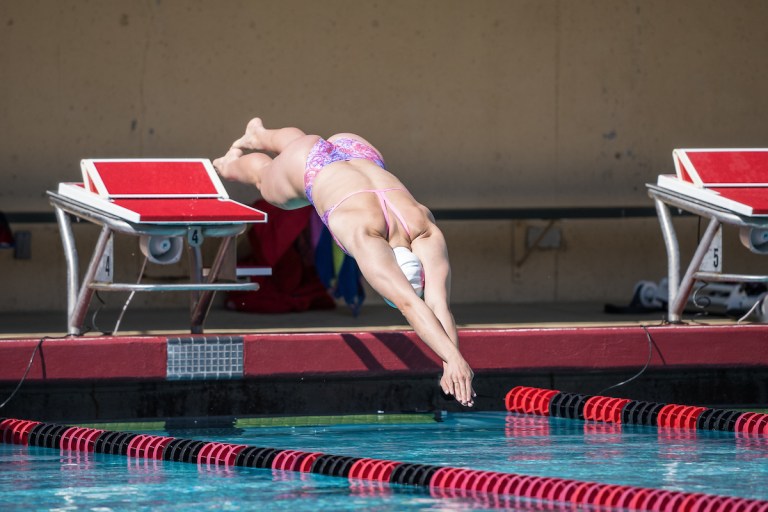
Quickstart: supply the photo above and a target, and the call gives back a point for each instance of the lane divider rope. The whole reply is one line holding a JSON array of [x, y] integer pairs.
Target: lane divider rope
[[550, 402], [494, 489]]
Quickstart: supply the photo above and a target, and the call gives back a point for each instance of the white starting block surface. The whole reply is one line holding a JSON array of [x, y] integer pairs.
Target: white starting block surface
[[178, 200], [727, 186], [161, 191]]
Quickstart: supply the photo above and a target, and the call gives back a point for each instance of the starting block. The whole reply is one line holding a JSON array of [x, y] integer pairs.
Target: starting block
[[726, 186], [164, 202]]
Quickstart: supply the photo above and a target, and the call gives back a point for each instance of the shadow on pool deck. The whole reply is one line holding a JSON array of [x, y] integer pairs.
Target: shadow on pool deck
[[372, 317]]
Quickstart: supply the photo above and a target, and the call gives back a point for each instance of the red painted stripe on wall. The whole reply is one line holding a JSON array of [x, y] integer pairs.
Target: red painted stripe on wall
[[618, 347], [74, 358], [510, 349], [271, 354]]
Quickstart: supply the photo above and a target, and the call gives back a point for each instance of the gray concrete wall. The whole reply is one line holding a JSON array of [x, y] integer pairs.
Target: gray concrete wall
[[508, 103]]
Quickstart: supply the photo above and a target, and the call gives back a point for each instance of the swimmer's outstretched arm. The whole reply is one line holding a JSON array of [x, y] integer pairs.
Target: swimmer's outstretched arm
[[432, 250], [380, 269], [457, 374]]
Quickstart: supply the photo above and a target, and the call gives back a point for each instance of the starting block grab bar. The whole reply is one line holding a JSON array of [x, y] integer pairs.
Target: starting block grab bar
[[136, 198]]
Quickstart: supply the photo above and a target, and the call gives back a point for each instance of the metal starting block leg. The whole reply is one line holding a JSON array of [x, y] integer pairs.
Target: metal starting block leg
[[201, 304], [673, 256], [85, 294], [79, 297], [680, 298], [70, 256]]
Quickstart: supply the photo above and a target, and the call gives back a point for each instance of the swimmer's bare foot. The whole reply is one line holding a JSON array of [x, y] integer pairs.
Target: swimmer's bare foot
[[252, 140], [222, 164]]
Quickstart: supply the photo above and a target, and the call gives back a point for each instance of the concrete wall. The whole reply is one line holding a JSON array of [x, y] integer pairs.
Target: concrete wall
[[508, 103]]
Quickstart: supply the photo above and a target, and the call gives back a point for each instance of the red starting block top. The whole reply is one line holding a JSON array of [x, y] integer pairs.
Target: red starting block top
[[733, 179], [170, 191], [722, 167]]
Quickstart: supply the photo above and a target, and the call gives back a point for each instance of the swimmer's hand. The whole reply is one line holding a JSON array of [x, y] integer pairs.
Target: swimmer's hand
[[457, 381]]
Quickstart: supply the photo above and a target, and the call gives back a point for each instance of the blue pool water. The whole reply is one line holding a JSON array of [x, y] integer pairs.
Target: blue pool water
[[33, 478]]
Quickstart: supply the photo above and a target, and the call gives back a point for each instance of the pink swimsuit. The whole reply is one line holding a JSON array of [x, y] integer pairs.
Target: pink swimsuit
[[324, 153]]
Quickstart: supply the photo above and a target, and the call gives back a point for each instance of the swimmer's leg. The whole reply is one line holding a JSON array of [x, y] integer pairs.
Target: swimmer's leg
[[248, 169], [258, 138]]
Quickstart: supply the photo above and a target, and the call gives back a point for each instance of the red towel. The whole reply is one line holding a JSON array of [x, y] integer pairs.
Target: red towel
[[6, 235], [283, 244]]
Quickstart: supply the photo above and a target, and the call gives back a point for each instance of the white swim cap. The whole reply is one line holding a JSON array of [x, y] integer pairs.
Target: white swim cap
[[412, 268]]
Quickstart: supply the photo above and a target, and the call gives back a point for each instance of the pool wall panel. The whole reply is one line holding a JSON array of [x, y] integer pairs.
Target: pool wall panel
[[92, 378]]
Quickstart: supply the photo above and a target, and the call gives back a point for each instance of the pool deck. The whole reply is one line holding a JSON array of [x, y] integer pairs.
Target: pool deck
[[373, 317], [331, 362]]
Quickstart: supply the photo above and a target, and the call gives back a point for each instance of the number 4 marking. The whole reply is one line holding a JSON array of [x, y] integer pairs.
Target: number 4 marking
[[195, 236]]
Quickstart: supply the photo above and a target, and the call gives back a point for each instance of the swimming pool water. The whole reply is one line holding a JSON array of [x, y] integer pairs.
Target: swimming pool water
[[34, 478]]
